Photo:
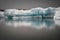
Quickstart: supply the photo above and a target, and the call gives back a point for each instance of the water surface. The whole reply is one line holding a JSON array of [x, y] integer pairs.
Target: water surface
[[29, 28]]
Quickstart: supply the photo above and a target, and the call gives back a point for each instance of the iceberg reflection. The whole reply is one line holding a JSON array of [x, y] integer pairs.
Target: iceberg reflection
[[29, 22], [57, 22]]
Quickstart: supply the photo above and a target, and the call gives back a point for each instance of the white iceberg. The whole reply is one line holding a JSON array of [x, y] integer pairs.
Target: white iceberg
[[57, 13], [45, 12], [1, 14]]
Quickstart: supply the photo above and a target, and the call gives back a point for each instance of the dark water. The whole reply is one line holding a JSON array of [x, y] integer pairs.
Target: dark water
[[29, 28]]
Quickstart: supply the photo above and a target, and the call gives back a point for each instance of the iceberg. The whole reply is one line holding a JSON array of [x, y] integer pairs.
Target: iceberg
[[57, 13], [1, 14], [9, 13], [39, 12]]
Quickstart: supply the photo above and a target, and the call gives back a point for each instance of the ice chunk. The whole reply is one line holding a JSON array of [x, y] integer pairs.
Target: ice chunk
[[57, 13], [1, 14]]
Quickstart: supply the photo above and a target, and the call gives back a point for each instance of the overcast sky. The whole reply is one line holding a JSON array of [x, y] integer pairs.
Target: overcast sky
[[28, 4]]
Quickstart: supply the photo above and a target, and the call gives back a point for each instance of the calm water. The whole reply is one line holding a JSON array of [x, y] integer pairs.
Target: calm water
[[29, 28]]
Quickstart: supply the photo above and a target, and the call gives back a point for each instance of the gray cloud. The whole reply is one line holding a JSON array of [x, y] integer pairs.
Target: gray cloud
[[27, 4]]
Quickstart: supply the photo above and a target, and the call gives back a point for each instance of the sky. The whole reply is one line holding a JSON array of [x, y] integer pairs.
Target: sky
[[28, 4]]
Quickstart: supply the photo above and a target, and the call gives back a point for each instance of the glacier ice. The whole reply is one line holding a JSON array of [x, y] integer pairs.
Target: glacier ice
[[50, 12], [37, 10]]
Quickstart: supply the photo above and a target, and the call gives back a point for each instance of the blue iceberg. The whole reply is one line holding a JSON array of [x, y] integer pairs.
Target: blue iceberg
[[43, 12]]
